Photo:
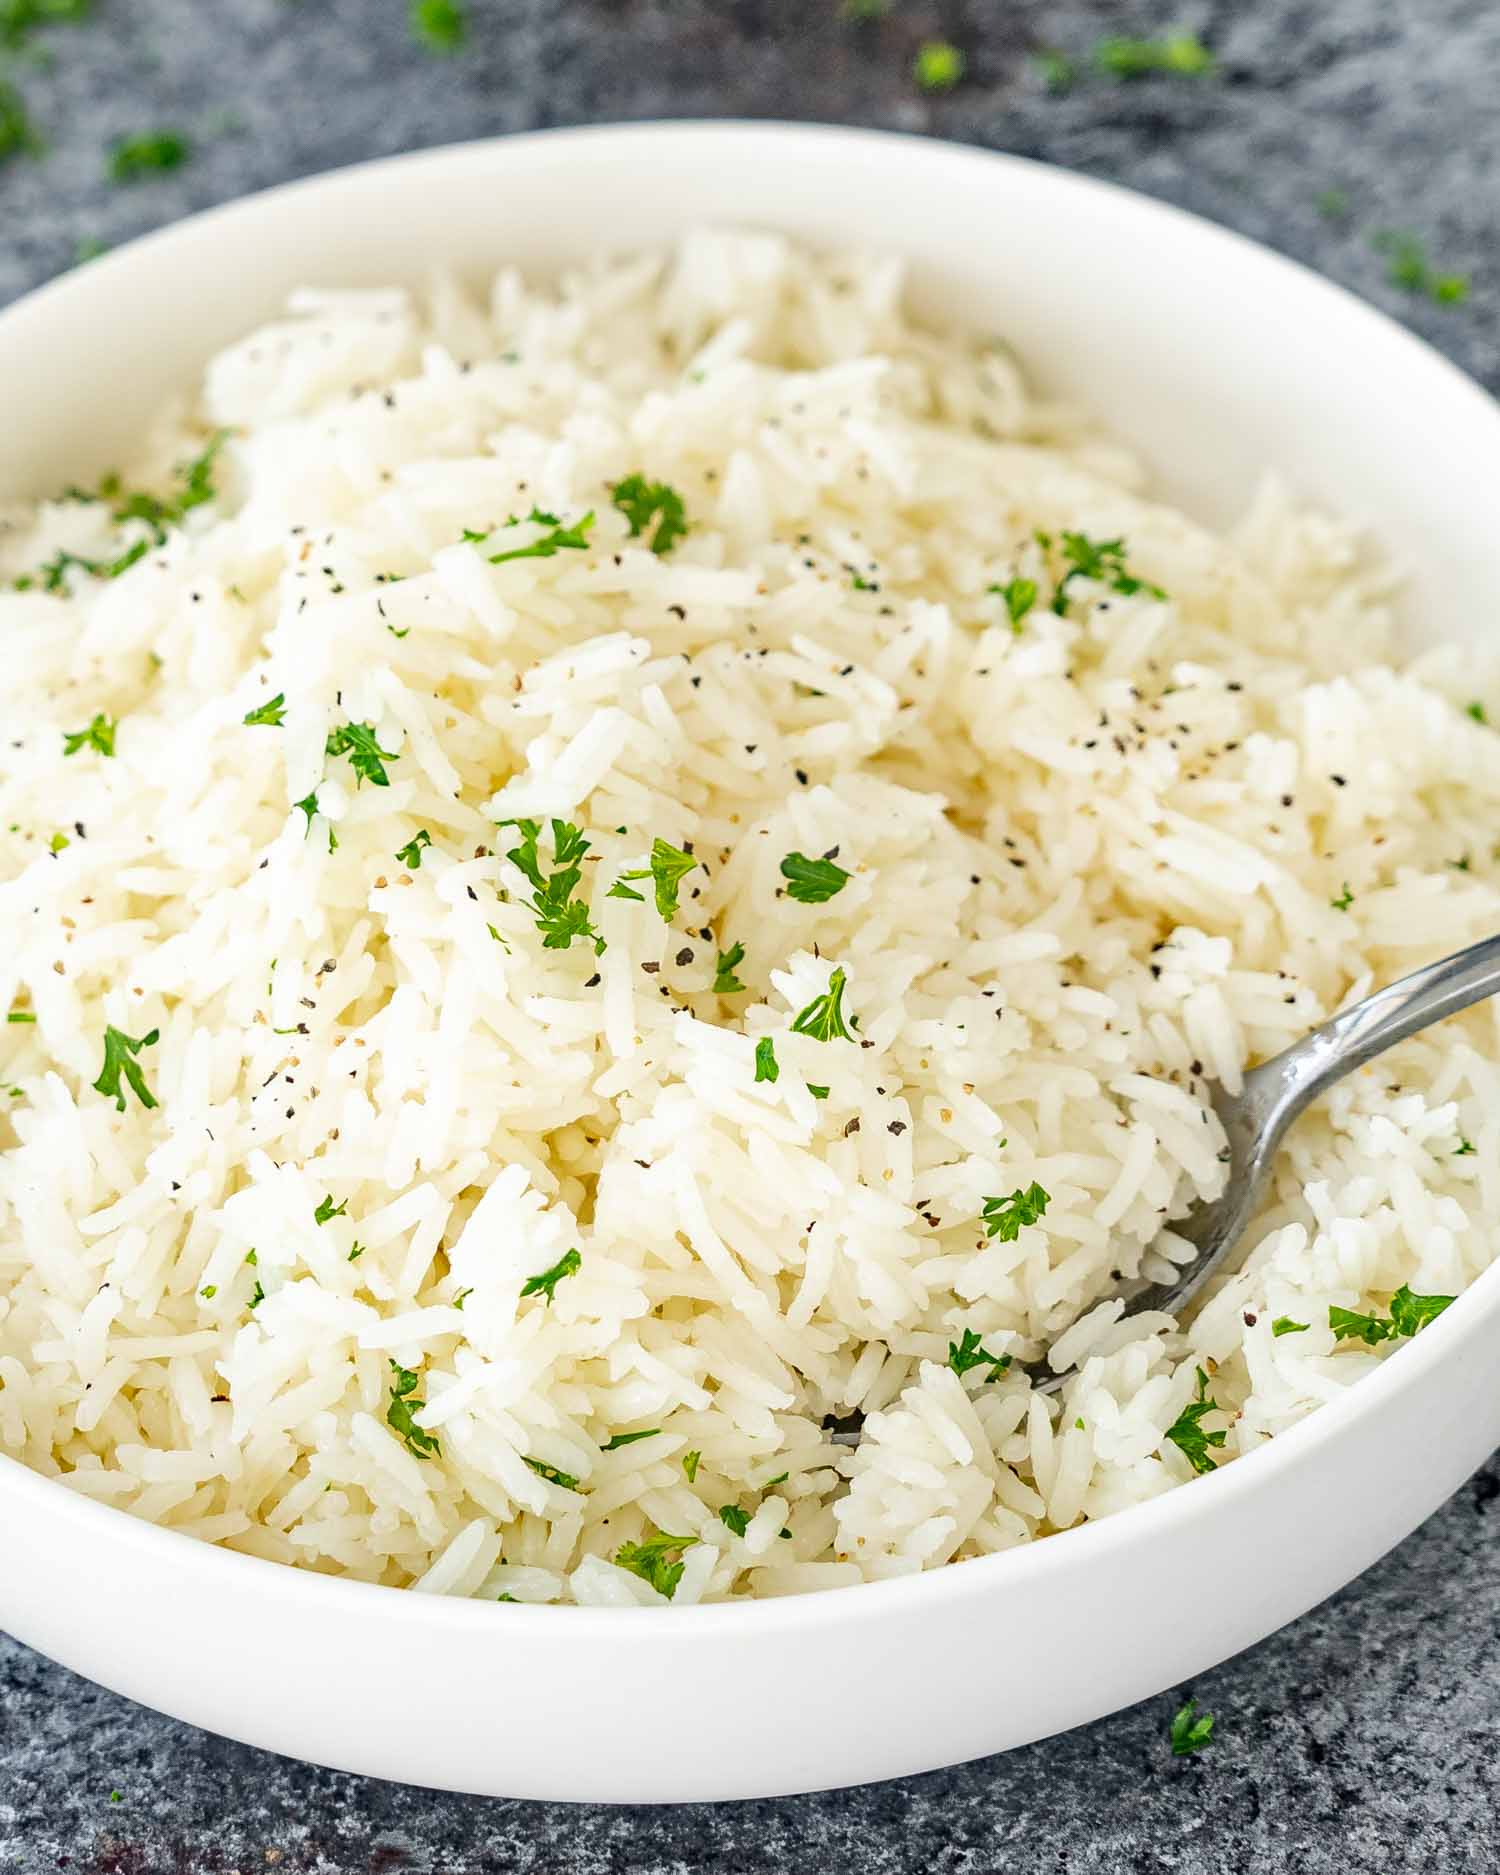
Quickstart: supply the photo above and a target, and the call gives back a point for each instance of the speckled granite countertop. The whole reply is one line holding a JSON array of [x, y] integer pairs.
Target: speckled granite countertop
[[1366, 1737]]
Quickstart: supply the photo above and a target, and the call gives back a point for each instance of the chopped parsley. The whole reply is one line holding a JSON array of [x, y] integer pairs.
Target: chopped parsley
[[552, 1474], [1284, 1325], [642, 502], [568, 1264], [153, 150], [1186, 1433], [734, 1519], [690, 1463], [1464, 1148], [650, 1559], [327, 1209], [1004, 1217], [1101, 560], [766, 1066], [1019, 596], [1057, 69], [19, 1015], [269, 715], [99, 735], [120, 1051], [1191, 1730], [812, 881], [439, 25], [53, 573], [355, 1253], [209, 1291], [366, 757], [20, 17], [726, 983], [17, 135], [551, 542], [628, 1438], [1332, 204], [1344, 900], [817, 1091], [823, 1018], [1407, 266], [400, 1415], [1181, 55], [968, 1352], [670, 865], [1409, 1314], [1478, 712], [257, 1294], [559, 916], [411, 854], [938, 65]]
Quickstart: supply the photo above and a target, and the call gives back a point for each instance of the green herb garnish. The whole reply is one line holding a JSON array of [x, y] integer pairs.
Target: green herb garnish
[[1407, 266], [1058, 71], [19, 1015], [642, 502], [690, 1463], [669, 866], [552, 1474], [1181, 55], [120, 1051], [812, 881], [726, 983], [366, 757], [559, 916], [1190, 1733], [968, 1352], [1187, 1434], [410, 855], [1101, 560], [823, 1018], [817, 1090], [766, 1065], [650, 1560], [1004, 1217], [1409, 1313], [1284, 1325], [628, 1438], [1344, 900], [269, 715], [327, 1209], [99, 735], [734, 1519], [938, 65], [152, 151], [551, 542], [439, 25], [18, 136], [1478, 712], [1019, 596], [400, 1415], [257, 1294], [568, 1264]]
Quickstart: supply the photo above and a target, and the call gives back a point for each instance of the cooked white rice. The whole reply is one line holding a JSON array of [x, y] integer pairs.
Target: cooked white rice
[[1093, 860]]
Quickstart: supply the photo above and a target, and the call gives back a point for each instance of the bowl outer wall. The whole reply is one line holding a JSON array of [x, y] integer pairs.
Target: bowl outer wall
[[1220, 359]]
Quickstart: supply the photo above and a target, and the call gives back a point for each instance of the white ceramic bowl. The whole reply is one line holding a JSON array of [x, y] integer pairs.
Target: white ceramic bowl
[[1218, 359]]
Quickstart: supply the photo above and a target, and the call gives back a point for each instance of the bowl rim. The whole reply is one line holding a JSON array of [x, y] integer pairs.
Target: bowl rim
[[1078, 1547]]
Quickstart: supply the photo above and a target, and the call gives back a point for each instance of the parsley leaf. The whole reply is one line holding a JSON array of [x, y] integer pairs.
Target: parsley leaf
[[690, 1463], [551, 1473], [1101, 560], [20, 1015], [568, 1264], [1477, 711], [99, 735], [823, 1018], [135, 157], [766, 1066], [1189, 1733], [257, 1294], [734, 1519], [17, 134], [726, 983], [1182, 55], [1407, 266], [366, 757], [817, 1091], [1187, 1434], [411, 854], [559, 916], [938, 66], [649, 1559], [1411, 1313], [670, 865], [1284, 1325], [550, 543], [642, 502], [120, 1051], [1004, 1217], [439, 25], [1344, 900], [400, 1414], [812, 881], [1019, 596], [1464, 1148], [1350, 1325], [968, 1352], [628, 1438], [269, 715], [327, 1209]]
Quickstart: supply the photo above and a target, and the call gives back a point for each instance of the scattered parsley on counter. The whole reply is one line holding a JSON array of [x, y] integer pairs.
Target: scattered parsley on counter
[[89, 248], [559, 916], [410, 855], [1188, 1435], [366, 757], [551, 542], [327, 1209], [823, 1018], [1284, 1325], [690, 1463], [628, 1438], [152, 151], [1004, 1217], [642, 502], [400, 1415], [1101, 560], [650, 1560], [17, 135], [439, 25], [552, 1474], [1409, 1314], [767, 1067], [120, 1051], [1181, 55], [1019, 596], [99, 735], [1407, 266], [1190, 1733], [938, 65], [269, 715], [812, 881], [968, 1352], [20, 17], [726, 983], [568, 1264], [1057, 69]]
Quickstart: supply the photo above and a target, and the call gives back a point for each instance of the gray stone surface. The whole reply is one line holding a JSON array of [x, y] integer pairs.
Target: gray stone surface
[[1362, 1738]]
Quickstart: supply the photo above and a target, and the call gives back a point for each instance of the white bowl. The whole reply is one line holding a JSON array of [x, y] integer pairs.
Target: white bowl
[[1219, 359]]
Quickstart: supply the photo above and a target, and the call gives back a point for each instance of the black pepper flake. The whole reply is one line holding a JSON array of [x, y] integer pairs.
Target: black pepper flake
[[651, 969], [593, 983], [896, 1127], [683, 957], [1339, 781], [678, 611], [801, 774]]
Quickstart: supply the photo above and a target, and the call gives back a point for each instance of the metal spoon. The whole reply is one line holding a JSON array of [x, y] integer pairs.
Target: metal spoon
[[1256, 1120]]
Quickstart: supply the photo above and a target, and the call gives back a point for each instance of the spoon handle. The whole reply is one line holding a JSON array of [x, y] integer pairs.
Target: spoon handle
[[1366, 1029]]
